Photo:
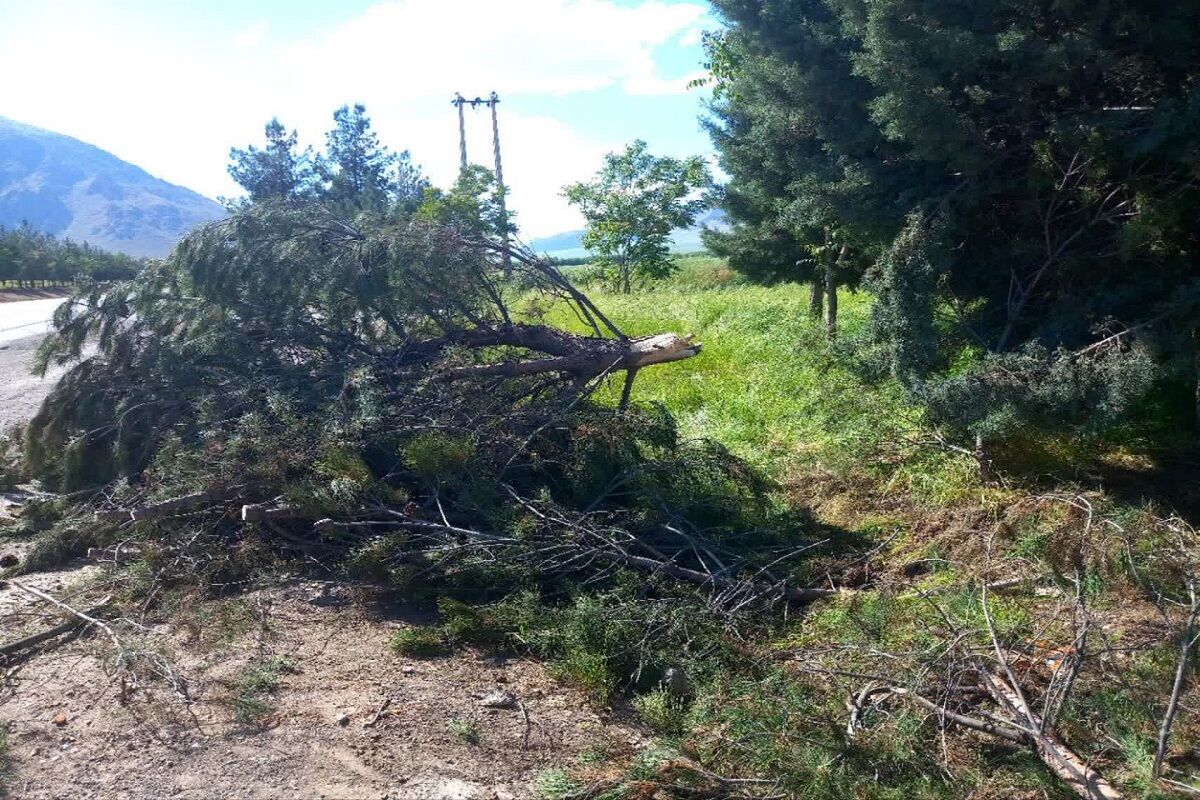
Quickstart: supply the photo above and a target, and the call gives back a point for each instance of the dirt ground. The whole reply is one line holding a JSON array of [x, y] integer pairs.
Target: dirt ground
[[349, 718], [20, 392], [335, 713]]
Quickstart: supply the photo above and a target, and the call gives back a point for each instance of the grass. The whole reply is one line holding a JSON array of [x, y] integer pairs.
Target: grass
[[420, 642], [255, 686], [771, 388], [464, 730], [767, 384]]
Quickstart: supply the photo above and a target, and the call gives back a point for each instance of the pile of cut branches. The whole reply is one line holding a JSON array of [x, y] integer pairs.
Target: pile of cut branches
[[378, 396]]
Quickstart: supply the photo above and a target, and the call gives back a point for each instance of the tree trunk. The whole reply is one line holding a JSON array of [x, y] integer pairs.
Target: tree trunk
[[984, 459], [816, 301], [1196, 340], [831, 298]]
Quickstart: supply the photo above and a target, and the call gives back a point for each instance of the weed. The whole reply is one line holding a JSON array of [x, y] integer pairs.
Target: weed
[[556, 784], [663, 712], [465, 624], [464, 730], [255, 686], [417, 642]]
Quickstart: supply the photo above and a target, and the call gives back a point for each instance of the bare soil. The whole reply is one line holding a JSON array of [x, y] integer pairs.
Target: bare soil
[[349, 718]]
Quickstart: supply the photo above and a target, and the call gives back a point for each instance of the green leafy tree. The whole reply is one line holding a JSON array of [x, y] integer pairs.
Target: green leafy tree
[[278, 171], [631, 207], [473, 205], [1018, 173], [29, 257]]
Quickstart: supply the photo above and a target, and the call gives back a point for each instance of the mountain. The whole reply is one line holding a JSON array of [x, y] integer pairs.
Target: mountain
[[71, 189], [569, 244]]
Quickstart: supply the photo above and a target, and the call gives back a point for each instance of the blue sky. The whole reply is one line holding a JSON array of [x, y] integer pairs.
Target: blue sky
[[171, 86]]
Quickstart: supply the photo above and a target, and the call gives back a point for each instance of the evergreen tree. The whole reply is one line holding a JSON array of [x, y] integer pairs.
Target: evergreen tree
[[279, 171], [472, 205], [1019, 171], [632, 206], [357, 172]]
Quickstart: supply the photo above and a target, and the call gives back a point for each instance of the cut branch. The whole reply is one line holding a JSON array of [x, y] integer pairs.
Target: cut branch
[[30, 642]]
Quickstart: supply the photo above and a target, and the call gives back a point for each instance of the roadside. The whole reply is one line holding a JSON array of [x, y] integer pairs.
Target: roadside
[[21, 393], [27, 318], [19, 295], [290, 692]]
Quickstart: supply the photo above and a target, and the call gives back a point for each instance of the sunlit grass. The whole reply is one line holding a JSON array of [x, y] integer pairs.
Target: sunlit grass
[[766, 384]]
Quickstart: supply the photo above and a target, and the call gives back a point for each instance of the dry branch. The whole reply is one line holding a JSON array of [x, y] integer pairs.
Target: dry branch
[[582, 357], [161, 509], [29, 642], [81, 615], [262, 512]]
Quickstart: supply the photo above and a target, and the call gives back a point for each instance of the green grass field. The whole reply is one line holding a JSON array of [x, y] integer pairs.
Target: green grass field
[[767, 384], [763, 385]]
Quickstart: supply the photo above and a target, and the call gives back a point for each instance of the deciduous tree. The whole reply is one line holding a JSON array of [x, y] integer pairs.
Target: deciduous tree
[[631, 207]]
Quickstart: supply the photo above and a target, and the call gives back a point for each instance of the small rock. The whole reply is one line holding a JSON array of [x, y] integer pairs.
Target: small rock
[[60, 719], [675, 682], [9, 560], [343, 720], [499, 698]]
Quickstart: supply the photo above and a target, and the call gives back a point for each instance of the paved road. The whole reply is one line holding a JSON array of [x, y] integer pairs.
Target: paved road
[[26, 318]]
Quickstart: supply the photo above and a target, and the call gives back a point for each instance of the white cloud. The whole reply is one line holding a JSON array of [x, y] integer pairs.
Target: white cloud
[[654, 85], [420, 48], [691, 37], [251, 36], [174, 105]]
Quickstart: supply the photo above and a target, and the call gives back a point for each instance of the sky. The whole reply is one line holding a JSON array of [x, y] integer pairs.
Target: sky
[[171, 85]]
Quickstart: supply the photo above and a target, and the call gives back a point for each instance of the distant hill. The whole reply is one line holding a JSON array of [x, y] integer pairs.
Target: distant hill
[[569, 244], [71, 189]]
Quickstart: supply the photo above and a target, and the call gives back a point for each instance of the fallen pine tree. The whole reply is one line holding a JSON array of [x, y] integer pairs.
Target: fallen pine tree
[[381, 386]]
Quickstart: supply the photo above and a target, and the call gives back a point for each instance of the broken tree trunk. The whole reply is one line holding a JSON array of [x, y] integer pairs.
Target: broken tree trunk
[[583, 357], [163, 509], [1023, 727], [1060, 759]]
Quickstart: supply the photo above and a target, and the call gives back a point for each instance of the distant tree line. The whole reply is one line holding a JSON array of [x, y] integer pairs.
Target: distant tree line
[[29, 258], [1017, 182]]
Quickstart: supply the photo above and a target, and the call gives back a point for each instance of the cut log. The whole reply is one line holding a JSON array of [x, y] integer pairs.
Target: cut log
[[262, 512], [161, 509]]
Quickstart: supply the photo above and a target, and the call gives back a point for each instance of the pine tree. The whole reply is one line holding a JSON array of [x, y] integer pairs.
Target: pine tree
[[1018, 170], [357, 172], [279, 171]]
